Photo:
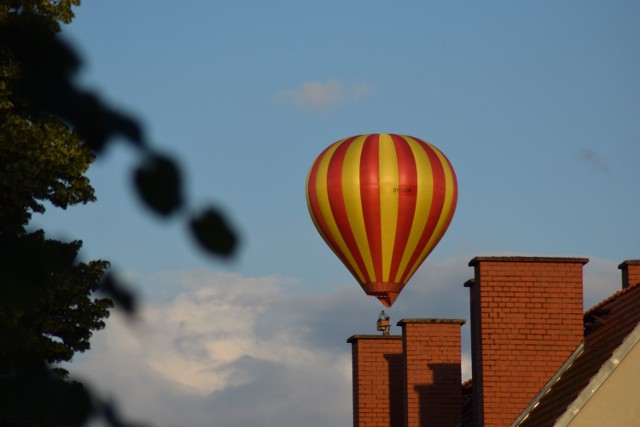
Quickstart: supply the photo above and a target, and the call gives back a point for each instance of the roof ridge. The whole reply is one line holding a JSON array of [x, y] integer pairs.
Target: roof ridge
[[611, 298]]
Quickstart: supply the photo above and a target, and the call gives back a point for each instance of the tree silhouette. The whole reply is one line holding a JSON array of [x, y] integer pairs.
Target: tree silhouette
[[50, 131]]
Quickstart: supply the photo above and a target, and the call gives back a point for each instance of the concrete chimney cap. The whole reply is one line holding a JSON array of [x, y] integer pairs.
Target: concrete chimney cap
[[444, 321], [624, 264], [564, 260]]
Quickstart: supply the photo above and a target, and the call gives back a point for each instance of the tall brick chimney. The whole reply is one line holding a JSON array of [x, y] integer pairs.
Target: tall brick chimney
[[526, 320], [630, 272], [432, 354], [378, 384]]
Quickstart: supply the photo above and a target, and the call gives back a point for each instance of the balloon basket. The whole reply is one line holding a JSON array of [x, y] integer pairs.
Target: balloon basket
[[383, 325]]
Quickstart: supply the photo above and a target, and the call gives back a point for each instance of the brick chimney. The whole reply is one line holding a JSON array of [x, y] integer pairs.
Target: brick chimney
[[630, 272], [526, 320], [432, 354], [378, 384], [410, 380]]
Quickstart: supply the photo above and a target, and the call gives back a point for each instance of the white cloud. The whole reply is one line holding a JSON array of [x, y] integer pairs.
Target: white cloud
[[319, 96], [228, 350]]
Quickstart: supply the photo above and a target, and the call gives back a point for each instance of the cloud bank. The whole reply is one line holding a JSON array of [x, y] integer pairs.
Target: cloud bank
[[226, 350]]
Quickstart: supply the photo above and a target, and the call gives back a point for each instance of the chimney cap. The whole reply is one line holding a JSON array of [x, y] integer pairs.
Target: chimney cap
[[564, 260], [628, 262], [444, 321], [355, 338]]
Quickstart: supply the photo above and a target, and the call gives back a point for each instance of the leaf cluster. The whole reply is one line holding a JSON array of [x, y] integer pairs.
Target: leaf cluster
[[53, 11], [39, 160], [41, 157], [47, 312]]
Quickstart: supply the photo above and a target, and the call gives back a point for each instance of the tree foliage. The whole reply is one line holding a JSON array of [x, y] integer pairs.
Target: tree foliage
[[47, 312], [41, 157], [48, 309], [40, 160], [50, 132], [54, 11], [47, 67]]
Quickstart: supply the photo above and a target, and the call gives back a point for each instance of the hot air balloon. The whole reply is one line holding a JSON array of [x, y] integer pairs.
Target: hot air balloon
[[382, 202]]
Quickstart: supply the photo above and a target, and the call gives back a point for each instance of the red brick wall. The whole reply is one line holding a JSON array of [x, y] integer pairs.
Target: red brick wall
[[630, 272], [378, 386], [526, 320], [432, 355]]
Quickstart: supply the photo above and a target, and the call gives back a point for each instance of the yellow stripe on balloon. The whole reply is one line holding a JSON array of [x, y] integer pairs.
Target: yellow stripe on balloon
[[424, 200], [446, 208], [325, 207], [313, 217], [389, 180], [353, 201]]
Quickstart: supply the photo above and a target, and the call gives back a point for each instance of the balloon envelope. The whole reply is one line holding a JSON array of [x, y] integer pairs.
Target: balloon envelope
[[382, 202]]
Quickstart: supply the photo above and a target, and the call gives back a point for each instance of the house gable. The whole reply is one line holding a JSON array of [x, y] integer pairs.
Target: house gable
[[611, 396], [607, 326]]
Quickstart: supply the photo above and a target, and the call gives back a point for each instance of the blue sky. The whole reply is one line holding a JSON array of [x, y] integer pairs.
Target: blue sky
[[535, 104]]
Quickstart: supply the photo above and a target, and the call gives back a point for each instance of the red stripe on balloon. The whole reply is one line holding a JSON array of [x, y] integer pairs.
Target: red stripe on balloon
[[314, 207], [439, 189], [370, 197], [336, 201], [407, 174]]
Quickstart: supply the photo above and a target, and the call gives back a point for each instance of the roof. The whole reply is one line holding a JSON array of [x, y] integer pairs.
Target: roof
[[607, 326]]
